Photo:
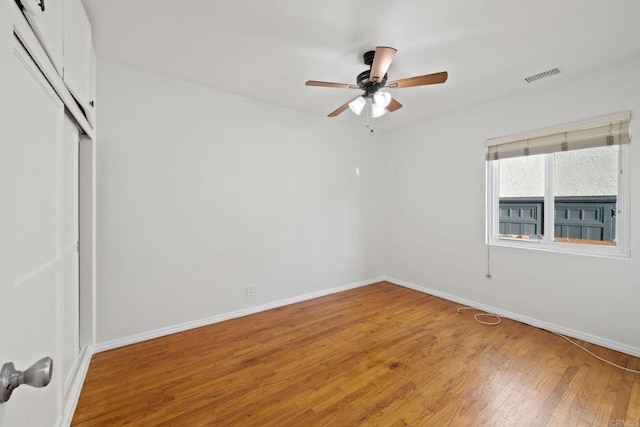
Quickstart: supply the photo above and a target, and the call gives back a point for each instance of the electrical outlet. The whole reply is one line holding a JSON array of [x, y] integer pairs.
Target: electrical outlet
[[251, 290]]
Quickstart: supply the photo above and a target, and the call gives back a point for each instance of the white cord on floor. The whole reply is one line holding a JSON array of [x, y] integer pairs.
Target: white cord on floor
[[477, 315], [596, 356]]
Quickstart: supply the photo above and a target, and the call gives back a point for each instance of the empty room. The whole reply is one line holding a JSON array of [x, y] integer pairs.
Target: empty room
[[295, 213]]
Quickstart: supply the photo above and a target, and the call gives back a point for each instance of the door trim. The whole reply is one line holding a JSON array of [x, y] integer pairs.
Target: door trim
[[73, 394], [87, 236]]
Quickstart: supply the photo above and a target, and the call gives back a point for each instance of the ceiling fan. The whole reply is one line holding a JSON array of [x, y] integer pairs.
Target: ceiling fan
[[374, 79]]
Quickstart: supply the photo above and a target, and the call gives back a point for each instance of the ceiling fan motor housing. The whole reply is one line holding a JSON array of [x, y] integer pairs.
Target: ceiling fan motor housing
[[363, 80], [368, 57], [367, 85]]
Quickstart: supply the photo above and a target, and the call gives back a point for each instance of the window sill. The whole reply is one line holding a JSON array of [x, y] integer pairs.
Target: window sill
[[600, 250]]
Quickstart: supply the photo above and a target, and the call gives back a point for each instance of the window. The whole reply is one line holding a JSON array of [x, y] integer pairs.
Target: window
[[563, 189]]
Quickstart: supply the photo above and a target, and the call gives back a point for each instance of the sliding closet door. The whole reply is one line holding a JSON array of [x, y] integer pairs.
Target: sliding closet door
[[69, 146], [39, 284]]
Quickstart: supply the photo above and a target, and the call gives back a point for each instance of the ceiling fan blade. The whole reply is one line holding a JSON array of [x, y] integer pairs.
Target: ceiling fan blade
[[381, 62], [427, 79], [330, 84], [393, 105], [341, 108]]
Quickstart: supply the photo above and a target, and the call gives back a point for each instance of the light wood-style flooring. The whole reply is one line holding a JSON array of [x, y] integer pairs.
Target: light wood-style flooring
[[378, 355]]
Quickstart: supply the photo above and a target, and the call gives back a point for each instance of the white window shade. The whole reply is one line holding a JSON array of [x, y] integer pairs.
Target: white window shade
[[601, 131]]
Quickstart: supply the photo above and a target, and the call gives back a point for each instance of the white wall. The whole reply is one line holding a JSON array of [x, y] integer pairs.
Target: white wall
[[437, 211], [201, 192]]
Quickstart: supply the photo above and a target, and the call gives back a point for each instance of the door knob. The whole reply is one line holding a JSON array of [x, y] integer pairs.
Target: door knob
[[38, 375]]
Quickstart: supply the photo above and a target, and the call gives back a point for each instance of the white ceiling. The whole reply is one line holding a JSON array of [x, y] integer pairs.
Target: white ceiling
[[266, 50]]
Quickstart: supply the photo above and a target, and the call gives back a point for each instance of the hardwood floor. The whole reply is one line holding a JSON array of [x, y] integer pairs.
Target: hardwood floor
[[379, 355]]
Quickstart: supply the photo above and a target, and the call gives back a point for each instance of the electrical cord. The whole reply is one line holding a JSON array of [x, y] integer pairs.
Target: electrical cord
[[478, 315]]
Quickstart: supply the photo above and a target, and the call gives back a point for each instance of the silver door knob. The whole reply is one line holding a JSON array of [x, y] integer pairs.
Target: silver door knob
[[38, 375]]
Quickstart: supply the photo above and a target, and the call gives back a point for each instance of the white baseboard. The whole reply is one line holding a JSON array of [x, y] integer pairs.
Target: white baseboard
[[132, 339], [73, 393], [603, 342]]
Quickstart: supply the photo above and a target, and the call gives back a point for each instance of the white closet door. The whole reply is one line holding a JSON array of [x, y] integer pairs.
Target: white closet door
[[78, 56], [39, 243], [70, 268], [46, 19]]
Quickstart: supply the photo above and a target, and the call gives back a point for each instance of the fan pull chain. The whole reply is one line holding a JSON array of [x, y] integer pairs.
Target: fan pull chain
[[368, 108]]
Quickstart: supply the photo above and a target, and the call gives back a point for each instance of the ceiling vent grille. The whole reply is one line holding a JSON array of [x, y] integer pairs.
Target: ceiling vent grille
[[542, 75]]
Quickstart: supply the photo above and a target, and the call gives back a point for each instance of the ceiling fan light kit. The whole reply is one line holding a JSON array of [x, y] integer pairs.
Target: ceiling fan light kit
[[379, 104], [382, 99], [377, 111], [375, 78], [357, 105]]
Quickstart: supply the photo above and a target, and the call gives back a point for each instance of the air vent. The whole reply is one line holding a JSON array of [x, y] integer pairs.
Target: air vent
[[543, 75]]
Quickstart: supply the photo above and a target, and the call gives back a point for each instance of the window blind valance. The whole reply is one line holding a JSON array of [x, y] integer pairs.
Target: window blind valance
[[598, 132]]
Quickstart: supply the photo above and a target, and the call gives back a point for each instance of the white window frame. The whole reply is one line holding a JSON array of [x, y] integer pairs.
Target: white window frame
[[547, 243]]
